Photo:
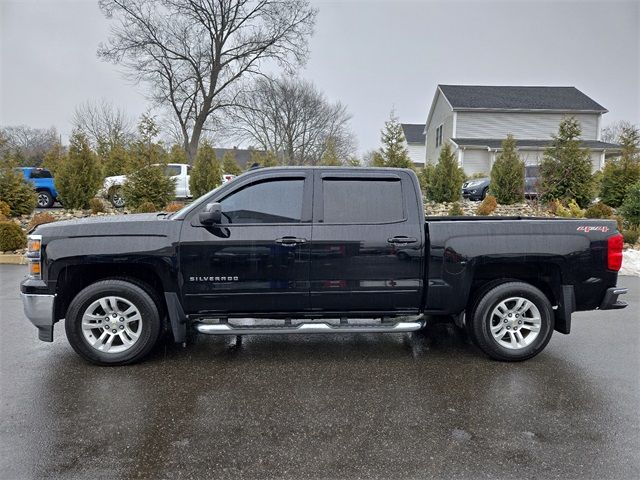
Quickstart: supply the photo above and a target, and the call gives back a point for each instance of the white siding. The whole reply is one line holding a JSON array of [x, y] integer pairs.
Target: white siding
[[417, 153], [519, 124], [442, 115], [476, 161], [595, 161], [534, 157]]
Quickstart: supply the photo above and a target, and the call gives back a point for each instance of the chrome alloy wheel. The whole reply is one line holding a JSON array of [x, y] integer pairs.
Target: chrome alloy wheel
[[515, 323], [43, 200], [111, 324]]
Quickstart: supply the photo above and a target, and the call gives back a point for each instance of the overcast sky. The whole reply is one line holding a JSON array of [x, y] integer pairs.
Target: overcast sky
[[370, 55]]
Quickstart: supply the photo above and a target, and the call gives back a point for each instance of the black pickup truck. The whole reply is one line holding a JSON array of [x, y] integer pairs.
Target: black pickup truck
[[315, 250]]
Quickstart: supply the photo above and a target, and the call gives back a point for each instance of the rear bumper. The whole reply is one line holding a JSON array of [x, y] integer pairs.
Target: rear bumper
[[38, 308], [610, 300]]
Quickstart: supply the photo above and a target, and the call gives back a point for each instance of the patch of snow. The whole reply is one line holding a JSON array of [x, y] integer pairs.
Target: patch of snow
[[630, 263]]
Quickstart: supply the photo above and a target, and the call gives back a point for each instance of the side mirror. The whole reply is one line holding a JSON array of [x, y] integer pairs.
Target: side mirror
[[212, 214]]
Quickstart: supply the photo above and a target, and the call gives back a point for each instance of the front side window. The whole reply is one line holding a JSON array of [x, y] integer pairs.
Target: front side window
[[276, 201], [362, 201]]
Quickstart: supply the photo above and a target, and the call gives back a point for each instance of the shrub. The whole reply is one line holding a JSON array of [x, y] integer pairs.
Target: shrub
[[148, 185], [15, 192], [11, 237], [631, 235], [553, 206], [5, 209], [96, 206], [456, 210], [507, 174], [146, 207], [566, 167], [447, 177], [173, 207], [487, 206], [573, 210], [78, 178], [40, 219], [630, 208], [599, 210], [426, 177], [230, 165], [206, 173]]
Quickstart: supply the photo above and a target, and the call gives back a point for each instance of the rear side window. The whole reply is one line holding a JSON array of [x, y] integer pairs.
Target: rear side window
[[40, 173], [278, 201], [362, 201], [172, 170]]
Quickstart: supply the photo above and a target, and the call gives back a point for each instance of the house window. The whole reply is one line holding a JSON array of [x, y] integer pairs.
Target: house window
[[438, 136]]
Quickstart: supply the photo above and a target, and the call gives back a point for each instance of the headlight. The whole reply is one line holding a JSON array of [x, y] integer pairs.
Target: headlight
[[34, 249]]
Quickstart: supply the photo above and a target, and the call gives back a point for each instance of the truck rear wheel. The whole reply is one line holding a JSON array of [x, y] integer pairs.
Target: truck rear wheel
[[113, 322], [512, 322], [45, 200]]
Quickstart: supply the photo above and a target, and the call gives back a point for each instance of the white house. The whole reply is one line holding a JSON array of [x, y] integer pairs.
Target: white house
[[475, 119], [414, 135]]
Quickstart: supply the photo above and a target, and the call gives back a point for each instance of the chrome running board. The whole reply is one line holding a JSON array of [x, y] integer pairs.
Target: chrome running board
[[305, 328]]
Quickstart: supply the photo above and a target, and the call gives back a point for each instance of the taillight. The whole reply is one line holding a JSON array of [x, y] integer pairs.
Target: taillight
[[614, 252]]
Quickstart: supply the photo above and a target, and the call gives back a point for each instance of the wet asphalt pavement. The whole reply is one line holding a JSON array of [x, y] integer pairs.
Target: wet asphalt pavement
[[345, 406]]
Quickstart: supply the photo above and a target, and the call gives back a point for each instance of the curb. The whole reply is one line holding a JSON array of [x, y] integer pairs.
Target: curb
[[13, 259]]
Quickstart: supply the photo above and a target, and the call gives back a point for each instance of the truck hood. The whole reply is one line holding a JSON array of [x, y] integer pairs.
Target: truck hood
[[109, 226]]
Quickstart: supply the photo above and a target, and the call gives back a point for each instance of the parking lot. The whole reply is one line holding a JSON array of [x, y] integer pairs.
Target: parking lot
[[346, 406]]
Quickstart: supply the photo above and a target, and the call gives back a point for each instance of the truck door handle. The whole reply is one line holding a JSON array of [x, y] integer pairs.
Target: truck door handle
[[401, 240], [290, 241]]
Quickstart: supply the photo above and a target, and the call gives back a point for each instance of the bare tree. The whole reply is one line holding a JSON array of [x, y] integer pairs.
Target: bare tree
[[194, 52], [291, 118], [28, 145], [103, 123], [611, 133]]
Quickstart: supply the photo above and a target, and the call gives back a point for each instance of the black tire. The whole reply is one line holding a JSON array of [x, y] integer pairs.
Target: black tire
[[479, 322], [133, 293], [45, 200], [484, 193]]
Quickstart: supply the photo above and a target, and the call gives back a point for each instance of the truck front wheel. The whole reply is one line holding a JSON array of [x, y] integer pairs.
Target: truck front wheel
[[512, 322], [113, 322]]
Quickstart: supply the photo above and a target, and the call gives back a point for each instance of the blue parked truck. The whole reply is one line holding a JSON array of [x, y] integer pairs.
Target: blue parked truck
[[42, 181]]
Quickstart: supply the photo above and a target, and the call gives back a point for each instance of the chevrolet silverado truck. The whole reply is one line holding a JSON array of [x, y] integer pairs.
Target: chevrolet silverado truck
[[315, 250]]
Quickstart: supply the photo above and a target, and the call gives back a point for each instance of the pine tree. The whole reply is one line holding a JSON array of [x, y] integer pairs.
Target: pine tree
[[377, 160], [117, 161], [566, 167], [14, 190], [264, 159], [620, 173], [330, 156], [447, 177], [177, 154], [507, 174], [229, 164], [207, 171], [393, 149], [79, 176], [54, 158]]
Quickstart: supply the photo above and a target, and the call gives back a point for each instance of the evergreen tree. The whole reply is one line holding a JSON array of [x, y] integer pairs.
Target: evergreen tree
[[620, 173], [447, 177], [264, 159], [117, 161], [377, 160], [177, 154], [566, 167], [354, 161], [330, 156], [54, 158], [79, 176], [229, 164], [14, 190], [393, 149], [207, 171], [507, 174], [145, 151]]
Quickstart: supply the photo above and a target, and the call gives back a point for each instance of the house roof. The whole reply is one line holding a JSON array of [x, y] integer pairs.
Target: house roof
[[496, 143], [414, 133], [491, 97]]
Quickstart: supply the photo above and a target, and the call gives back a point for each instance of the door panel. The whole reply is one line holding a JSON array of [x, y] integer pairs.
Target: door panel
[[365, 255], [258, 260]]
